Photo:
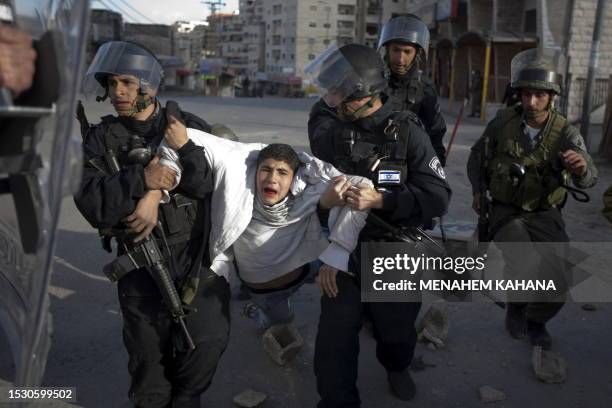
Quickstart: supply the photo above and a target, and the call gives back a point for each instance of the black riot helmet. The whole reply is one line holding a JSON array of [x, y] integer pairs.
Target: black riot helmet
[[351, 72], [408, 29], [123, 58]]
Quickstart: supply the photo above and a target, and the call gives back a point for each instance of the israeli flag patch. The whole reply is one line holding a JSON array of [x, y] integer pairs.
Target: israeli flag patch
[[389, 177]]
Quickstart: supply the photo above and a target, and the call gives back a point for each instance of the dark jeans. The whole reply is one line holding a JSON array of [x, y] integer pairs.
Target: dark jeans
[[163, 371], [337, 343]]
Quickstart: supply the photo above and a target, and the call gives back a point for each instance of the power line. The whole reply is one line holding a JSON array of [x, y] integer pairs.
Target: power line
[[136, 27], [117, 9], [123, 11], [138, 12]]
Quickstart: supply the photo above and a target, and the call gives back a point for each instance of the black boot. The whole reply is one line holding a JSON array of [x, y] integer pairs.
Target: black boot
[[402, 385], [538, 335], [516, 322]]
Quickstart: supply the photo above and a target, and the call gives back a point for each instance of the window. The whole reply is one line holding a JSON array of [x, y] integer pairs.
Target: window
[[346, 9], [372, 29], [312, 24], [313, 8], [311, 57], [326, 25], [530, 21]]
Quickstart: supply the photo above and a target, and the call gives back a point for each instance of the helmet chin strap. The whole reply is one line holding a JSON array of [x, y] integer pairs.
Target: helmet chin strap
[[103, 97], [142, 102], [350, 116]]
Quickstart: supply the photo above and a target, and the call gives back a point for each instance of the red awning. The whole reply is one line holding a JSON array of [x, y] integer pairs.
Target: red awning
[[184, 72]]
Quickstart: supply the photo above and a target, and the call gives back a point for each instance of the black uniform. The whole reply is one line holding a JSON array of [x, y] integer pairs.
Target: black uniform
[[161, 367], [422, 194], [416, 93]]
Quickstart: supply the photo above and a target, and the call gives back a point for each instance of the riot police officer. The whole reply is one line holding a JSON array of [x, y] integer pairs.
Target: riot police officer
[[369, 139], [525, 160], [406, 42], [121, 189]]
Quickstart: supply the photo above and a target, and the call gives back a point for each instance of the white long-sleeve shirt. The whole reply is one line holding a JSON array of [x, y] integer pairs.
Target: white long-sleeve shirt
[[273, 251]]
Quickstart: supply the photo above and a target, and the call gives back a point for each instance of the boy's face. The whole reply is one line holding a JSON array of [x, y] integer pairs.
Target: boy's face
[[274, 179]]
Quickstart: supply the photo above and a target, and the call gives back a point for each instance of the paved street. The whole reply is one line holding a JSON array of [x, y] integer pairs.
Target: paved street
[[87, 352]]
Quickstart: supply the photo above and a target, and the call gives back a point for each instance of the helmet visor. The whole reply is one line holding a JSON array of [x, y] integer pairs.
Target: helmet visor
[[334, 76], [405, 29], [122, 58]]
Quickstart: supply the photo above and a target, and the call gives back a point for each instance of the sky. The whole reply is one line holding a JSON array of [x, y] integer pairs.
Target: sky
[[162, 11]]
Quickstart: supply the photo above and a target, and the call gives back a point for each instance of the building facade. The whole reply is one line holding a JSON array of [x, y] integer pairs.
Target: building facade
[[462, 30], [283, 37]]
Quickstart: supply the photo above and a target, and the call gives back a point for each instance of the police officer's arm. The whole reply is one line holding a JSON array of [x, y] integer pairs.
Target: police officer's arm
[[196, 178], [433, 121], [103, 199], [145, 216], [580, 163], [321, 123], [425, 193]]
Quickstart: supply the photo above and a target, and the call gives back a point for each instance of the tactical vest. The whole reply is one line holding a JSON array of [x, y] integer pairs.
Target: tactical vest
[[379, 156], [183, 218], [541, 187], [408, 97]]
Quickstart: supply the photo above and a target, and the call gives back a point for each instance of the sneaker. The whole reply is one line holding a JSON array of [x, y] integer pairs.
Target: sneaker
[[516, 322], [402, 385], [255, 313], [538, 335]]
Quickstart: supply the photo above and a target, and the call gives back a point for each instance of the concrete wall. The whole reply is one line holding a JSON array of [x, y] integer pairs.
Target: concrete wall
[[480, 15], [581, 34], [510, 15]]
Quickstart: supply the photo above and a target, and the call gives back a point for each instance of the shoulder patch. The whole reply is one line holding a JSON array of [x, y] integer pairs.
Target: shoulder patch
[[436, 166]]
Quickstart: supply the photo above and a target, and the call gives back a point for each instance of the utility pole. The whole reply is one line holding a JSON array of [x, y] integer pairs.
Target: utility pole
[[587, 102], [214, 5]]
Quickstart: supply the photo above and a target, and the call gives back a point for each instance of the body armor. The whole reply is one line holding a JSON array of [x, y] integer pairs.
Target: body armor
[[179, 216], [379, 156], [407, 94], [540, 187]]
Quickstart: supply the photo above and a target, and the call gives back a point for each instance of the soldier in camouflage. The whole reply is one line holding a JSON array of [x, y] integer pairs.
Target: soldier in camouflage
[[530, 153]]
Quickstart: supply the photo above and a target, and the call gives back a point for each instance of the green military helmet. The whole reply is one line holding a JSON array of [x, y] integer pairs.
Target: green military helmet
[[530, 70]]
